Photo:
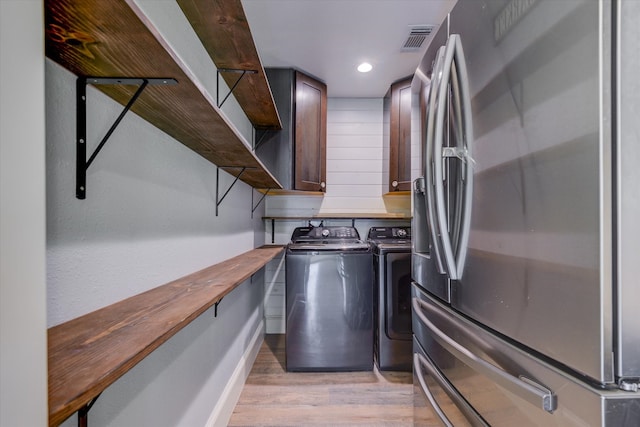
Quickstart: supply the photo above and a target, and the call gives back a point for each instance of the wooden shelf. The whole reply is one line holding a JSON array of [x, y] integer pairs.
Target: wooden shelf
[[114, 38], [397, 194], [386, 215], [224, 32], [89, 353], [280, 192]]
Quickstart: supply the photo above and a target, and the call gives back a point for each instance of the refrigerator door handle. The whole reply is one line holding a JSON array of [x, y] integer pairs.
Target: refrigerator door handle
[[441, 215], [429, 176], [439, 154], [420, 362], [453, 62], [538, 395], [465, 153]]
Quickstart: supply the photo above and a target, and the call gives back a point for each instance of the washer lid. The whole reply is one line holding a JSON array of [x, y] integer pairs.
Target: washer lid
[[345, 246]]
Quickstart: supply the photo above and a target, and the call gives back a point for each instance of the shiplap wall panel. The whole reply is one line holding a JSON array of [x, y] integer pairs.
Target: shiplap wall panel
[[355, 158], [356, 178], [343, 152], [354, 141]]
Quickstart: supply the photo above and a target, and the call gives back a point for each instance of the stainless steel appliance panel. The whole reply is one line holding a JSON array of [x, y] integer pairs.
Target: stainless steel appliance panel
[[424, 262], [423, 258], [397, 296], [539, 261], [436, 402], [505, 385], [628, 196], [392, 312], [329, 308]]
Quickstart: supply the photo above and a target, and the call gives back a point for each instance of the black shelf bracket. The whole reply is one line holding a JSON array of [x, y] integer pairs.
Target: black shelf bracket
[[229, 70], [220, 199], [254, 207], [82, 164], [83, 413], [259, 141], [215, 307]]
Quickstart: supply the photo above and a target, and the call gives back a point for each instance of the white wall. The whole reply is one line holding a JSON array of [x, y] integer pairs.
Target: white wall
[[23, 345], [149, 218]]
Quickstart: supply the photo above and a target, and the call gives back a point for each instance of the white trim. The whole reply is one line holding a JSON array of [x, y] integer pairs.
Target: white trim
[[223, 410]]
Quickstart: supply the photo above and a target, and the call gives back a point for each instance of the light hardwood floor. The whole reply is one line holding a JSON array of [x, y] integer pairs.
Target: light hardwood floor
[[274, 397]]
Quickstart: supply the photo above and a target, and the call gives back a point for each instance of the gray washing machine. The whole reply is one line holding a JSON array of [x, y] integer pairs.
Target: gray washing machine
[[329, 300], [392, 297]]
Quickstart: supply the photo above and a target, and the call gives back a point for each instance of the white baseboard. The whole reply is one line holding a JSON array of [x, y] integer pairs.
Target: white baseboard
[[223, 410]]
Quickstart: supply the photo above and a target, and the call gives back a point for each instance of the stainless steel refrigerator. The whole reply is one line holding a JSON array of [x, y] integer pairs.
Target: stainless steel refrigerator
[[526, 252]]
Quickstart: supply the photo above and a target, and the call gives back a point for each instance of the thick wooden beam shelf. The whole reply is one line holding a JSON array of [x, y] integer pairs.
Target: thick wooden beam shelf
[[114, 38], [224, 32], [89, 353]]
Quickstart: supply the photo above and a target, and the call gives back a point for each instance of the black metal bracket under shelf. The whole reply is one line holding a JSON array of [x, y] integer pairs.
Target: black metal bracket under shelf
[[215, 307], [218, 198], [258, 141], [229, 70], [82, 164], [83, 413], [254, 207]]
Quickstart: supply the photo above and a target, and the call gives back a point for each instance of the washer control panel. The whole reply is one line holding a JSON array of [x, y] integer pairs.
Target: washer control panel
[[389, 233], [324, 233]]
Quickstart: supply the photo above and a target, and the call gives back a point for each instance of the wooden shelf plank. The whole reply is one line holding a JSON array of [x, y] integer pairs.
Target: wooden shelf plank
[[224, 32], [386, 215], [113, 38], [89, 353], [278, 192], [397, 194]]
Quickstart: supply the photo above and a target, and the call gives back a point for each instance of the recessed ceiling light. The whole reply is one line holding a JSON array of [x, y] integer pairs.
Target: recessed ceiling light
[[365, 67]]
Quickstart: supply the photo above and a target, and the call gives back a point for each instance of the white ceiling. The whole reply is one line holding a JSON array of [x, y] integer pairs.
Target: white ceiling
[[329, 38]]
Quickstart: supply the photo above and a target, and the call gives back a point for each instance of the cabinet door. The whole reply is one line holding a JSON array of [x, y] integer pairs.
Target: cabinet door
[[400, 136], [310, 133]]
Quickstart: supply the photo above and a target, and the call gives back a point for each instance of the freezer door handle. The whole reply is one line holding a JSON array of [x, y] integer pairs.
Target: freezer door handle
[[420, 362], [523, 387]]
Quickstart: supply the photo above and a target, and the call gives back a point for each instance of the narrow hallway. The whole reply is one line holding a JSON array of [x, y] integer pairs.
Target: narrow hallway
[[274, 397]]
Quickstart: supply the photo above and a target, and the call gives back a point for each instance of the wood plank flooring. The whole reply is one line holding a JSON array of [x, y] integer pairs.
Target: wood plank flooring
[[274, 397]]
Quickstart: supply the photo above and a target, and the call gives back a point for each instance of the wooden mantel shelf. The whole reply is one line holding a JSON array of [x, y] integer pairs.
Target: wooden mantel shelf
[[89, 353], [114, 38]]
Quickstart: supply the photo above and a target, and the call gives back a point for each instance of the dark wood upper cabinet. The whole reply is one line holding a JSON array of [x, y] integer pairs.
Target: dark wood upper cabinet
[[398, 107], [296, 155], [311, 133]]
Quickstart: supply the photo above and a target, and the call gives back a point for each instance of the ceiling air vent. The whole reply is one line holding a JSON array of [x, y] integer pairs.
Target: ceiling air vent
[[417, 36]]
